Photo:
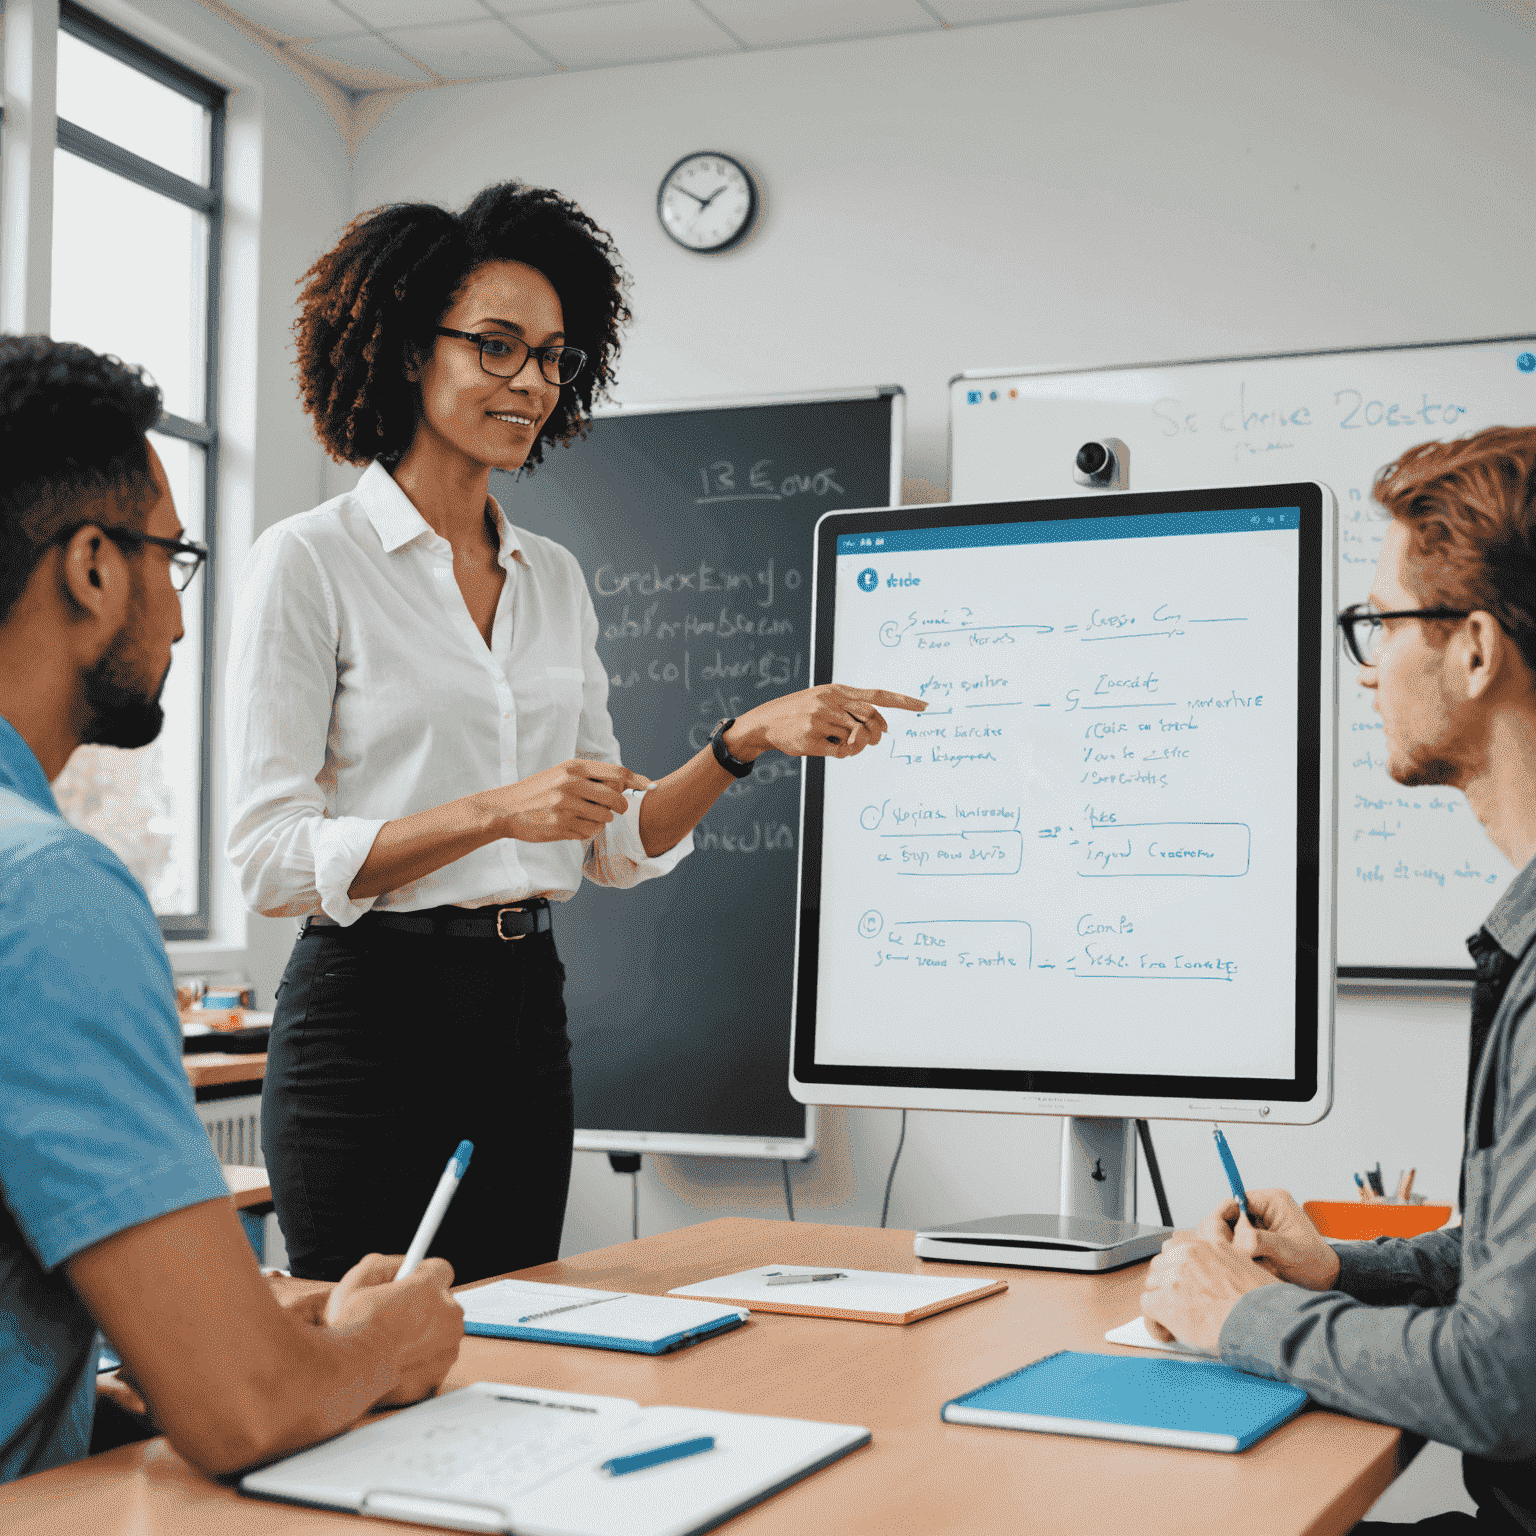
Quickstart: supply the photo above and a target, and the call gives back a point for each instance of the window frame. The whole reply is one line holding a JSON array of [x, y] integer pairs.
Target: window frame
[[209, 201]]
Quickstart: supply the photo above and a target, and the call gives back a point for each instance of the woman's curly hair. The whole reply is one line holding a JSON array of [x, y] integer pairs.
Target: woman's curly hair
[[371, 305]]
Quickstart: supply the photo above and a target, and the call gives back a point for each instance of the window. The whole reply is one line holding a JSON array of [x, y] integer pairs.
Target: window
[[137, 202]]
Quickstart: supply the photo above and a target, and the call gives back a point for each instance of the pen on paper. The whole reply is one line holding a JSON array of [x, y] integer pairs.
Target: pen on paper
[[780, 1277], [638, 1461], [437, 1208], [574, 1306]]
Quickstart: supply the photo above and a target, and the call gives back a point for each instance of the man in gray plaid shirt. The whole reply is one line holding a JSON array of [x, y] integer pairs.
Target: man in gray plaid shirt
[[1436, 1334]]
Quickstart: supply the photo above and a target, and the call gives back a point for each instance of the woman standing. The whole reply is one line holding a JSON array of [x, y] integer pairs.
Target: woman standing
[[422, 754]]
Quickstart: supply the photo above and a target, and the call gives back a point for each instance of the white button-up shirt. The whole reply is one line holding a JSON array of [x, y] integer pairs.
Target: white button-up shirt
[[359, 691]]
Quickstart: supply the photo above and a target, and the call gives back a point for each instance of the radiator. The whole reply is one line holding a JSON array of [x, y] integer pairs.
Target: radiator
[[234, 1128]]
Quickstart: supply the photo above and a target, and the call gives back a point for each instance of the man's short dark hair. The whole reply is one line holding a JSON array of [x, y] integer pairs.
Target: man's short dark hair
[[72, 427]]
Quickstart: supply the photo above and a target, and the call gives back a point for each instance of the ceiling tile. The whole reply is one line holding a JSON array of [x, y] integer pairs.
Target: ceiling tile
[[471, 50], [959, 12], [533, 7], [365, 63], [295, 18], [787, 22], [413, 13], [632, 33]]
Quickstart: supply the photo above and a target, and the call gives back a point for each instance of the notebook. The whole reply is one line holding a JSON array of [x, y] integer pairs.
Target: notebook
[[1136, 1334], [1201, 1404], [498, 1458], [860, 1295], [567, 1314]]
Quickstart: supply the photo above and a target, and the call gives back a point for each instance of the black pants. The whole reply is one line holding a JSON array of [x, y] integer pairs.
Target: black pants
[[387, 1050]]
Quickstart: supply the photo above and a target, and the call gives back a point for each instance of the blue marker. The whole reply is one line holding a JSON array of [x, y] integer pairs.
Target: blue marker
[[437, 1208], [638, 1461], [1234, 1178]]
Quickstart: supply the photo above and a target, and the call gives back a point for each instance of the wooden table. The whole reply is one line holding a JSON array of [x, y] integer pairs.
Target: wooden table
[[208, 1069], [1318, 1474], [249, 1186]]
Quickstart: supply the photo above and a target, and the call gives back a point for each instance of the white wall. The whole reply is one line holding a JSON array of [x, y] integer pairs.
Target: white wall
[[1168, 182]]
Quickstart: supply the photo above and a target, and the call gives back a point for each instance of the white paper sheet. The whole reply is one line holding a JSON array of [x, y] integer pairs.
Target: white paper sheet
[[860, 1290], [1139, 1336]]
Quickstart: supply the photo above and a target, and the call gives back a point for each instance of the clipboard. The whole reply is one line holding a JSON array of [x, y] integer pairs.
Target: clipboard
[[501, 1459]]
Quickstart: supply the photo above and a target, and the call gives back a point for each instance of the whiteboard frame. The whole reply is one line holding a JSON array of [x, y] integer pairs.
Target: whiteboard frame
[[1256, 1110], [1234, 357], [1353, 978], [793, 1149]]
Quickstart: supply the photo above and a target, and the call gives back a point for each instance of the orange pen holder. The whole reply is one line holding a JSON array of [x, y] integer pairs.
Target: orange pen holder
[[1374, 1218]]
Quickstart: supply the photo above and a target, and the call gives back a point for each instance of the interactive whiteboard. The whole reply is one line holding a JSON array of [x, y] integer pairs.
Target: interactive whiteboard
[[1094, 876], [1416, 873]]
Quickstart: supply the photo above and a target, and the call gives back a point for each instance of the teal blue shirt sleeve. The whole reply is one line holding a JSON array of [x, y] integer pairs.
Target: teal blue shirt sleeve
[[98, 1131]]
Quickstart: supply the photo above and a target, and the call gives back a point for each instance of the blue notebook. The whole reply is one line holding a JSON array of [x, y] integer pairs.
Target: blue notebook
[[1201, 1404], [567, 1314]]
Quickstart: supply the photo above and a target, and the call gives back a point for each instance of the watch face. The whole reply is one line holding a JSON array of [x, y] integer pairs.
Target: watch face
[[706, 202]]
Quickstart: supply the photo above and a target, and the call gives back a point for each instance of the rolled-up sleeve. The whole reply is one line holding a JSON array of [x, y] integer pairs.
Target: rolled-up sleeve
[[616, 856], [291, 856], [1462, 1372]]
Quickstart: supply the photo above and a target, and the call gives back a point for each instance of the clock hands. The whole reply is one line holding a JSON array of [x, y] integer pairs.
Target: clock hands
[[703, 202]]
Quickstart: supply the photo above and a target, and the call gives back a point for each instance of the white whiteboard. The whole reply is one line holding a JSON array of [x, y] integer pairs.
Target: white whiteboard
[[1416, 874]]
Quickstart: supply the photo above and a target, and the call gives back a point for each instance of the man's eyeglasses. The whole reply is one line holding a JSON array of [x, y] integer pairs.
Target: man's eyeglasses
[[187, 555], [504, 356], [1360, 625]]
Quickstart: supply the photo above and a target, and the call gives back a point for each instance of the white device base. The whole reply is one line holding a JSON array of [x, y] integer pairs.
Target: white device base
[[1042, 1242]]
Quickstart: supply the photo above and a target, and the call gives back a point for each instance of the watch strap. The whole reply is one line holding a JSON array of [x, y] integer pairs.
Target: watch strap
[[732, 765]]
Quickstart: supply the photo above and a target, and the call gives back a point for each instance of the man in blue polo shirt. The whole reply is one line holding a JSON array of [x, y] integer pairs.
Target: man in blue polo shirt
[[112, 1208]]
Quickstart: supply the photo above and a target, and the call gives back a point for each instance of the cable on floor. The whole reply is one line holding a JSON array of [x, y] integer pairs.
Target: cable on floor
[[890, 1178]]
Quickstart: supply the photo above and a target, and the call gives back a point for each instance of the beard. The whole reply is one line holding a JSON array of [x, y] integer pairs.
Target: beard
[[1423, 771], [120, 711], [1420, 766]]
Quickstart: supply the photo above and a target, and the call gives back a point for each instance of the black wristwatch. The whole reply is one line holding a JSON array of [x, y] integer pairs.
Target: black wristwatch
[[732, 765]]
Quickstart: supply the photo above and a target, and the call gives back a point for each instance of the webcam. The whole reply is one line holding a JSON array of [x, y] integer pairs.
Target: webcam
[[1103, 463]]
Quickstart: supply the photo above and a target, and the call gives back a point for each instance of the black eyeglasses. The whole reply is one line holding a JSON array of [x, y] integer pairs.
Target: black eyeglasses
[[187, 555], [1360, 625], [504, 356]]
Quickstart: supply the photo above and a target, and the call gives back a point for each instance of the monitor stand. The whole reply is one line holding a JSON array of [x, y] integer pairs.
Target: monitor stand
[[1097, 1228]]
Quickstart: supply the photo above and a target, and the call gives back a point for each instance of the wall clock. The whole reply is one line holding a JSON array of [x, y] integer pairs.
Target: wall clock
[[707, 202]]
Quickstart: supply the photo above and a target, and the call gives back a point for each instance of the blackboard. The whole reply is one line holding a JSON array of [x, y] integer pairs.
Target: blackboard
[[694, 528], [1415, 872]]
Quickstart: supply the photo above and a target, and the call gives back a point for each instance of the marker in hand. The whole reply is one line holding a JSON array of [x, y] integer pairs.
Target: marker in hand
[[437, 1208]]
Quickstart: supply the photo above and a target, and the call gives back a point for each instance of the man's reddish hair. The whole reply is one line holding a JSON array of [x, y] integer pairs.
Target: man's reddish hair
[[1469, 508]]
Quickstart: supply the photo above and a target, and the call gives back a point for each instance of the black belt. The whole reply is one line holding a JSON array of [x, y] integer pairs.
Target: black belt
[[513, 922]]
